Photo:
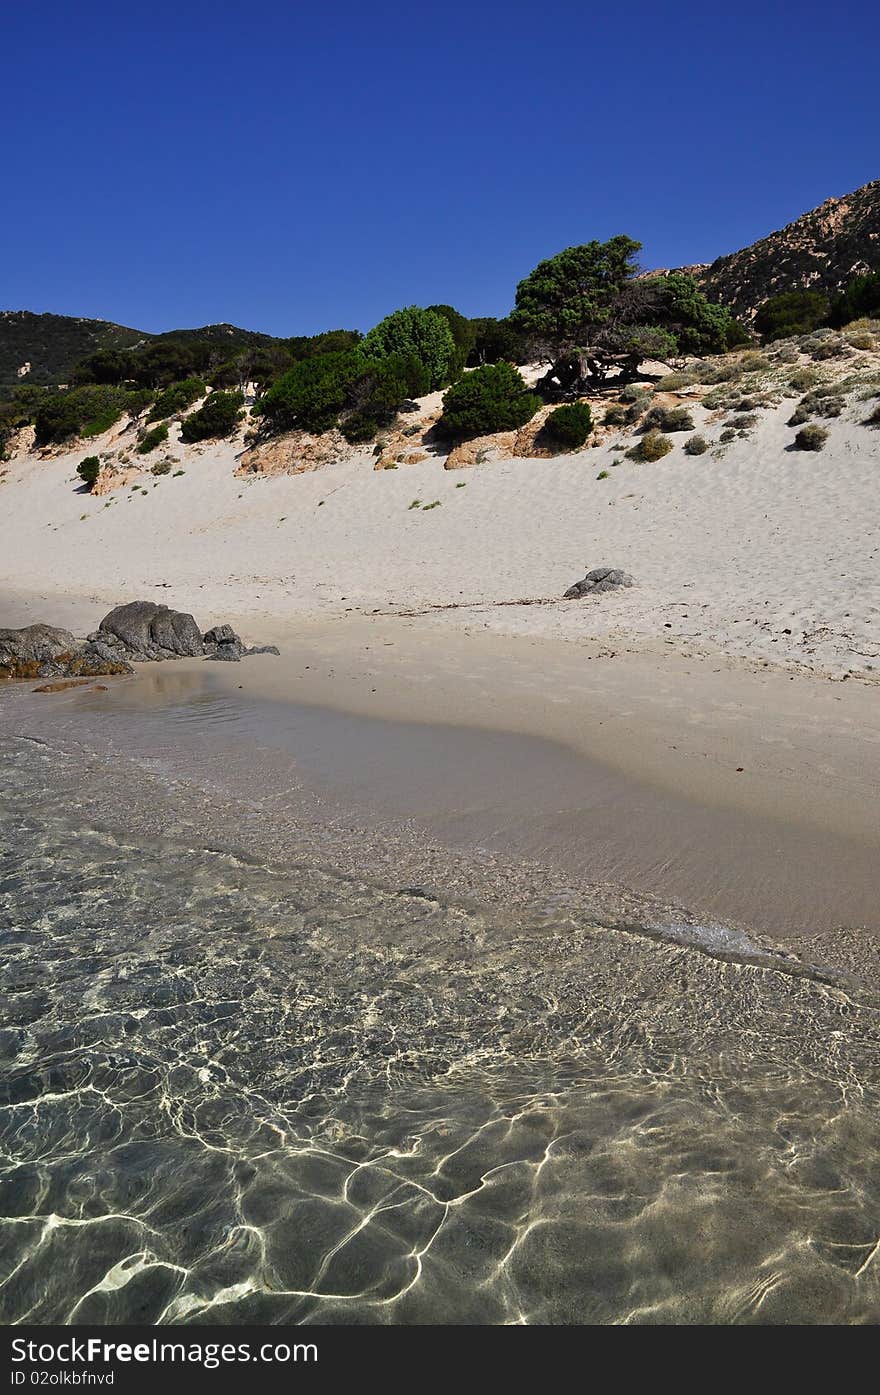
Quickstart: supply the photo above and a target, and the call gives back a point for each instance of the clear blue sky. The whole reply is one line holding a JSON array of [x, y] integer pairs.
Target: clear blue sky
[[293, 167]]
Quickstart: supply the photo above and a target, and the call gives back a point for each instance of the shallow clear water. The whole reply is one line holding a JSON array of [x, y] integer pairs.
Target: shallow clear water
[[241, 1092]]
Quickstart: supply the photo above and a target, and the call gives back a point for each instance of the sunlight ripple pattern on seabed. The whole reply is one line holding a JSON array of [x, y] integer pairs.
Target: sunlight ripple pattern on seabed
[[244, 1093]]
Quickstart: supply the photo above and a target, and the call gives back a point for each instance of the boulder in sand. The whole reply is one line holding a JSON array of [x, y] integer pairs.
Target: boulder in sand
[[598, 580], [146, 630]]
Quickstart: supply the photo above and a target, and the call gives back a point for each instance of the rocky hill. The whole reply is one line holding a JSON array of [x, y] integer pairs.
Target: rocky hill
[[820, 250]]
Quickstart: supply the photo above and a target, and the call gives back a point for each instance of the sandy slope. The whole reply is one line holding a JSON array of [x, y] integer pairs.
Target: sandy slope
[[729, 551]]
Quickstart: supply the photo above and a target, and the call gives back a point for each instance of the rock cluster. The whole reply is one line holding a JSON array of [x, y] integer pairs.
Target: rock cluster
[[139, 631], [144, 630], [598, 580]]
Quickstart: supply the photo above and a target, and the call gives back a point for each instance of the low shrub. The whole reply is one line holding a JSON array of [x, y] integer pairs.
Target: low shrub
[[570, 425], [635, 392], [673, 381], [829, 348], [727, 435], [874, 418], [616, 415], [697, 445], [651, 447], [491, 398], [218, 417], [153, 439], [89, 469], [668, 419], [811, 438], [162, 467], [803, 379]]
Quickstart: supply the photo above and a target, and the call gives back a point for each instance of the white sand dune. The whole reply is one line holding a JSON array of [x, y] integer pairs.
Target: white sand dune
[[759, 551]]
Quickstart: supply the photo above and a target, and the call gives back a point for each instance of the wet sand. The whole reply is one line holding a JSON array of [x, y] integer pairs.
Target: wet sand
[[742, 796]]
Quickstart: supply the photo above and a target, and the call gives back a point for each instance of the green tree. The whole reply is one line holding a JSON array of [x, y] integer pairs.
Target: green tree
[[415, 333], [563, 304], [464, 334], [586, 311], [494, 341], [698, 326]]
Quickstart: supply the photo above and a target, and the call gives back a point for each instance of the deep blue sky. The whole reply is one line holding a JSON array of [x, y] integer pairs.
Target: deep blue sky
[[292, 167]]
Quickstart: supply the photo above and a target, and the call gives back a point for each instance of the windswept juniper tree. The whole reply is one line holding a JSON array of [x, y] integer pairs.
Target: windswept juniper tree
[[587, 311]]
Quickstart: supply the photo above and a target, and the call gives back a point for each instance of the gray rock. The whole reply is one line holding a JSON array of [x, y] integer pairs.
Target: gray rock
[[45, 651], [150, 631], [224, 646], [34, 644], [220, 634], [598, 580]]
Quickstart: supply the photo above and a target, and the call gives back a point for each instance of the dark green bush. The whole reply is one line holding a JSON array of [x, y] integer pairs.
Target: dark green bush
[[311, 394], [860, 299], [492, 398], [84, 411], [218, 417], [89, 469], [570, 425], [616, 415], [175, 399], [793, 312], [153, 439]]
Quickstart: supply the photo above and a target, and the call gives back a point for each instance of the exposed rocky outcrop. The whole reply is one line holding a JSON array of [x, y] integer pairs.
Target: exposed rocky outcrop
[[474, 452], [295, 453], [598, 580], [45, 651], [819, 251]]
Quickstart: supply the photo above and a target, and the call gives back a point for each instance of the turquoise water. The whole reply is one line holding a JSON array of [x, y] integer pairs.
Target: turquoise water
[[244, 1091]]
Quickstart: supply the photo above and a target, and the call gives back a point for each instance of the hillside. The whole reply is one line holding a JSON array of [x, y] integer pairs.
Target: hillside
[[53, 344], [820, 250]]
